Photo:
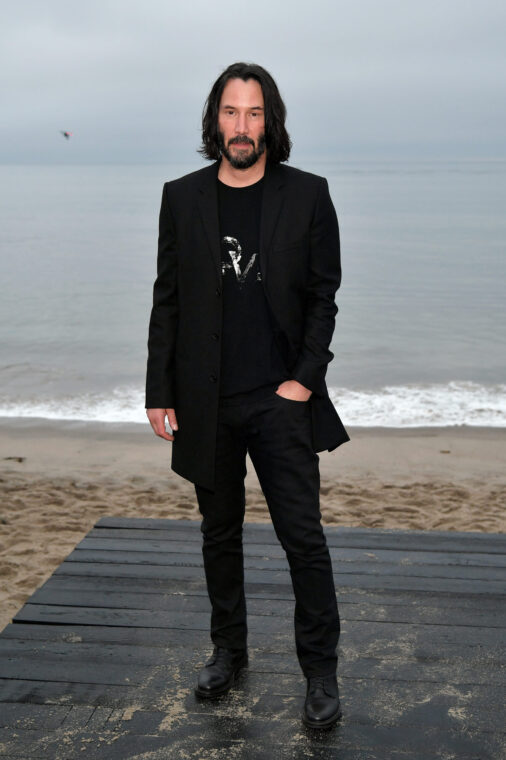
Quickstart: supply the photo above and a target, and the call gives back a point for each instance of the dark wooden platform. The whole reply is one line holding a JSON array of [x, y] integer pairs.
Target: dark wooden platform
[[102, 660]]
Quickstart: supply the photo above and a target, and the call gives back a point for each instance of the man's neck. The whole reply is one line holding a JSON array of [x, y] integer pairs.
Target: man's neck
[[241, 177]]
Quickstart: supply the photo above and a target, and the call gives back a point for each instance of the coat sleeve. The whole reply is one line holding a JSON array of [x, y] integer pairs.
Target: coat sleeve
[[160, 393], [324, 278]]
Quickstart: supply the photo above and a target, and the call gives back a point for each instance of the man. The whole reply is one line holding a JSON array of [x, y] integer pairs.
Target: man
[[243, 314]]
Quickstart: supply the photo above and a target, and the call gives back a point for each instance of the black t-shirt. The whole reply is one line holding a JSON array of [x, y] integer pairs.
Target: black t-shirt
[[249, 355]]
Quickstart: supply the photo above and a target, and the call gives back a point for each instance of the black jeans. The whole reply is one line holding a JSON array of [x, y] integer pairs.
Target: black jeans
[[277, 434]]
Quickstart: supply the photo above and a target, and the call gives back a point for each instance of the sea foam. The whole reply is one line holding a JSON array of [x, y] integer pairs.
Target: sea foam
[[454, 403]]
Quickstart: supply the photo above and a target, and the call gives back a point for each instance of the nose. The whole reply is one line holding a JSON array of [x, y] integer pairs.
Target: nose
[[241, 124]]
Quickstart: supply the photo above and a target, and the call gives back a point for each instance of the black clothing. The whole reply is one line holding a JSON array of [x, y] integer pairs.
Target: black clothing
[[300, 266], [299, 263], [249, 355], [277, 434]]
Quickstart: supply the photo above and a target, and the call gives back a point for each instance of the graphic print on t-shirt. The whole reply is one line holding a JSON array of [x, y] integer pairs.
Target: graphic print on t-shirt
[[234, 250]]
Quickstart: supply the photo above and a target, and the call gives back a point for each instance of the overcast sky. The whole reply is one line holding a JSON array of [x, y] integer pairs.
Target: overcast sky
[[368, 78]]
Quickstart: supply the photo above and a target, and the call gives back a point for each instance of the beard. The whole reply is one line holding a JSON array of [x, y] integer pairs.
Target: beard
[[244, 159]]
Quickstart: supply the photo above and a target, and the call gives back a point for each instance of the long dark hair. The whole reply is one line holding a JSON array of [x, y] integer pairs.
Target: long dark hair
[[277, 139]]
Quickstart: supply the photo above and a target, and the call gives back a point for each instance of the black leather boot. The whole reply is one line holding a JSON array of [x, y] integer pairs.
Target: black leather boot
[[220, 671], [322, 707]]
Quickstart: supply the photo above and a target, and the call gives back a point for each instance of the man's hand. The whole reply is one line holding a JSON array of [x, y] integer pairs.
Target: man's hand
[[157, 420], [294, 390]]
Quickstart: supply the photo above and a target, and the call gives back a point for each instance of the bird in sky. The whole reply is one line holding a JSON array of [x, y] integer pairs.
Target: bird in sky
[[66, 134]]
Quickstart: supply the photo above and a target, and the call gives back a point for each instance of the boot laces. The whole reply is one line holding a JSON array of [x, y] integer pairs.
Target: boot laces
[[316, 683]]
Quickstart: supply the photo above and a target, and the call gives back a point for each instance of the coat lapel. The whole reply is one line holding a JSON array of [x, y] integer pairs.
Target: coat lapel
[[272, 202], [208, 207]]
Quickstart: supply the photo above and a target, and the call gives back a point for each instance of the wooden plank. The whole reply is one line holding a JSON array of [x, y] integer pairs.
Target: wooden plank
[[110, 599], [105, 746], [389, 642], [153, 637], [280, 737], [368, 538], [40, 613], [268, 540], [197, 643], [277, 592], [256, 623], [423, 645], [142, 601], [108, 674], [32, 717], [367, 581], [44, 692], [371, 657], [399, 703], [377, 557], [188, 740], [260, 563], [191, 586]]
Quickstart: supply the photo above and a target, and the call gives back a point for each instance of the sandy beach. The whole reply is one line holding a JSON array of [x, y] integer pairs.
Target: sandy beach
[[58, 478]]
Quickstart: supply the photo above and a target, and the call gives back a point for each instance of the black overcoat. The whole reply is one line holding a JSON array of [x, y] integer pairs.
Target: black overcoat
[[300, 267]]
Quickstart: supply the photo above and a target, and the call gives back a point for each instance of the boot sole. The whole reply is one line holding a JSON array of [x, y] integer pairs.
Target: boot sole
[[209, 694]]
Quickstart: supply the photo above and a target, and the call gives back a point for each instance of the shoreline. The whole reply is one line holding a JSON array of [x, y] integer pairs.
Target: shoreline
[[57, 478], [112, 451]]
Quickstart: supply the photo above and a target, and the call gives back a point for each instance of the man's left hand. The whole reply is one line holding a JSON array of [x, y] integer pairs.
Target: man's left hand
[[294, 390]]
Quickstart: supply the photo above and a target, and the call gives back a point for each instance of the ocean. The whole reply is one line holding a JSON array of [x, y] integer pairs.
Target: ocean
[[420, 335]]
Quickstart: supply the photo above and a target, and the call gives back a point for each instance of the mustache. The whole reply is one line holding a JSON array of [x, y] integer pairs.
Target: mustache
[[241, 141]]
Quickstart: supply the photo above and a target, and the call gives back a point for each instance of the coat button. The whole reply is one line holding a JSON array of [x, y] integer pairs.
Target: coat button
[[212, 378], [215, 336]]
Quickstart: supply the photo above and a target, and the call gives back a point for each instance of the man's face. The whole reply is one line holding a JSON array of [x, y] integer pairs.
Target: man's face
[[241, 123]]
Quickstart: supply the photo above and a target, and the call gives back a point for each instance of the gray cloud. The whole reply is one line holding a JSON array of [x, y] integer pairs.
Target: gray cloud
[[129, 78]]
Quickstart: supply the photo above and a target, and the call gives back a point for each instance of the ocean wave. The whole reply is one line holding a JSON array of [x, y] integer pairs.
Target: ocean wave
[[454, 403]]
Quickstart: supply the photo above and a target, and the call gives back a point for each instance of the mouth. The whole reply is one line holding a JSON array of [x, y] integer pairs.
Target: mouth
[[241, 144]]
